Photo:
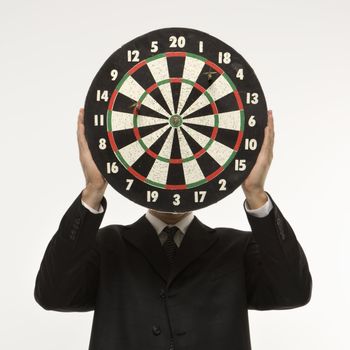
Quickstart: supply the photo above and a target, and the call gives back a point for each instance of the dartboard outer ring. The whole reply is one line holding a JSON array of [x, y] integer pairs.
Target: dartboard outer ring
[[175, 119]]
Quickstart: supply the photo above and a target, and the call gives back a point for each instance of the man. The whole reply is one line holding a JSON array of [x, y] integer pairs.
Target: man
[[153, 286]]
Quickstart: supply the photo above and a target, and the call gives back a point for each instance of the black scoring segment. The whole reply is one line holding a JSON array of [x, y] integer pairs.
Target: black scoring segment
[[193, 144], [124, 104], [206, 110], [227, 137], [203, 129], [207, 164], [175, 174], [157, 146], [176, 88], [227, 103], [176, 67], [158, 96], [175, 151], [144, 77], [124, 137], [149, 129], [144, 110], [144, 164], [194, 95]]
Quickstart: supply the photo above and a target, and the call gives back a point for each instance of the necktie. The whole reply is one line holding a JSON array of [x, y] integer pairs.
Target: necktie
[[169, 245]]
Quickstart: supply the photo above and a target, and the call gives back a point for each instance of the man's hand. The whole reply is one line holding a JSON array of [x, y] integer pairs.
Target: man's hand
[[253, 186], [95, 183]]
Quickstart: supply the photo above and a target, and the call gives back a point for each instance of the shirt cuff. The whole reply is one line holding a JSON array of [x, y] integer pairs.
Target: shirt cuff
[[261, 212], [92, 210]]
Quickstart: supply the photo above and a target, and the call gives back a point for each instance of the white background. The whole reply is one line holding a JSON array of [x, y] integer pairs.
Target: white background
[[50, 52]]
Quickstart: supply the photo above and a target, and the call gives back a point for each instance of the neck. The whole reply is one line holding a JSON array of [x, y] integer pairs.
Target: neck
[[169, 218]]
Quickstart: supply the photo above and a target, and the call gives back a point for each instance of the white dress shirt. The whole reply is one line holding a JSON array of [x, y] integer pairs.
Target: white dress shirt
[[183, 224], [159, 226]]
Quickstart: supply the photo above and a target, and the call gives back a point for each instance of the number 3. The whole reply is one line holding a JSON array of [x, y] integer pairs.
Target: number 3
[[176, 200]]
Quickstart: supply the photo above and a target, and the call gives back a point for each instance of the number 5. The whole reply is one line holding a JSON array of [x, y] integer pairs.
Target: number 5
[[154, 46]]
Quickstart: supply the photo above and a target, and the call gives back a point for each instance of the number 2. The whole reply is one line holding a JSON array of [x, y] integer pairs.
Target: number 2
[[222, 183]]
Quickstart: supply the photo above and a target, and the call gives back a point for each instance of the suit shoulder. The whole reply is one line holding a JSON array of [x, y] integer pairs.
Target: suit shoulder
[[233, 234], [108, 235]]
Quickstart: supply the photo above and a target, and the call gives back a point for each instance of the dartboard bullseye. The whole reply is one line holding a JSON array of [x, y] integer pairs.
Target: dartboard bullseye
[[175, 119]]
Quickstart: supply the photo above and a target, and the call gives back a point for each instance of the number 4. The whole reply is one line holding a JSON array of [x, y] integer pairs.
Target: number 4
[[240, 74]]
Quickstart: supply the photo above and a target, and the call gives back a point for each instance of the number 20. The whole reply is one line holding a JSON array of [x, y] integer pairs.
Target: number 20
[[177, 42]]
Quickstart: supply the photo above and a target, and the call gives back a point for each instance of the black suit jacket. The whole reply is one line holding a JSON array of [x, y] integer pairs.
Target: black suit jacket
[[121, 272]]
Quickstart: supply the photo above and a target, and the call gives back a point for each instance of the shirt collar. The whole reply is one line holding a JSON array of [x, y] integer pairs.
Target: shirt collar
[[159, 225]]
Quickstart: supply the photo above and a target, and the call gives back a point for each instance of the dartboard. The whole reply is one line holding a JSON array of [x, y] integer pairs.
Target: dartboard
[[175, 119]]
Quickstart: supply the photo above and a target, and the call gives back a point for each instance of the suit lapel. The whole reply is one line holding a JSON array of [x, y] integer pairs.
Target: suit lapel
[[196, 241], [143, 236]]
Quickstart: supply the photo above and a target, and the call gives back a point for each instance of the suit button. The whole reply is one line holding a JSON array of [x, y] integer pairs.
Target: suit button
[[162, 293], [156, 330], [77, 221]]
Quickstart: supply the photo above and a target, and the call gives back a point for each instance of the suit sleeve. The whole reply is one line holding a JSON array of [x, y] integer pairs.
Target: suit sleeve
[[67, 279], [276, 268]]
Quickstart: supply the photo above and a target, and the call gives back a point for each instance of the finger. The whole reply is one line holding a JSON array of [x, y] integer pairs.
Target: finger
[[81, 131], [271, 127], [265, 154], [267, 134], [269, 151]]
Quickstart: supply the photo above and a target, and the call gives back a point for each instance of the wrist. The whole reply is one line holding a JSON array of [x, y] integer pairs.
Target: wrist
[[92, 196], [255, 199]]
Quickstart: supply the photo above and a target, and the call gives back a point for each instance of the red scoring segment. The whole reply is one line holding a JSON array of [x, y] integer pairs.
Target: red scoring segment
[[238, 99], [136, 67]]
